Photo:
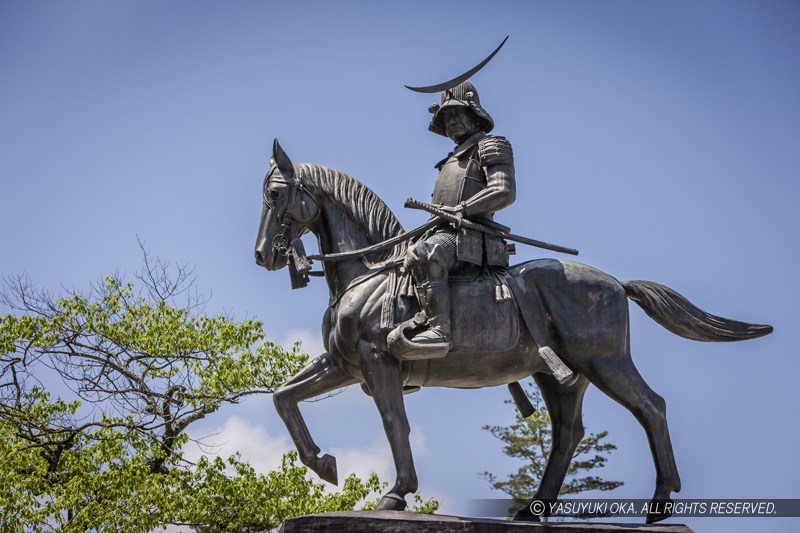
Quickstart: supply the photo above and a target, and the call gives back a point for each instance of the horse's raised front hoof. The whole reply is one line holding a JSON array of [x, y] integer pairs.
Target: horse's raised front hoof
[[525, 515], [391, 502], [325, 467], [660, 509]]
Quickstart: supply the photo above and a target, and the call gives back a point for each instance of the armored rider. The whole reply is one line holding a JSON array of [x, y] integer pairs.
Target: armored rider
[[475, 180]]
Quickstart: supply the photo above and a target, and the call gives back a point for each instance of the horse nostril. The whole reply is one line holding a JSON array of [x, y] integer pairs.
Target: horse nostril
[[259, 259]]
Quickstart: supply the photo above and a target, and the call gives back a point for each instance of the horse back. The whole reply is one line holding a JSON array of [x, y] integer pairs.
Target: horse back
[[583, 307]]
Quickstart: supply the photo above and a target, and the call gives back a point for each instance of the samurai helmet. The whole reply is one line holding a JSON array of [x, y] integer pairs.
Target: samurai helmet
[[464, 94]]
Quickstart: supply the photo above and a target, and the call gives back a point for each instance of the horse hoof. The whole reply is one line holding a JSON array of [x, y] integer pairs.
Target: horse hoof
[[525, 515], [659, 509], [391, 502], [326, 469]]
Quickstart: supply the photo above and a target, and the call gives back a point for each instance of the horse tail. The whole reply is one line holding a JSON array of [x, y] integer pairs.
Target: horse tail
[[681, 317]]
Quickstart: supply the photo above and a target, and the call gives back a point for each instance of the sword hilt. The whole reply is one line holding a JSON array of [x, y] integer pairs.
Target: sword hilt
[[411, 203]]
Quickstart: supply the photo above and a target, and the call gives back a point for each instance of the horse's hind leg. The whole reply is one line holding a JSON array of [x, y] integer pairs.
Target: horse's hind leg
[[382, 375], [618, 378], [565, 405], [318, 377]]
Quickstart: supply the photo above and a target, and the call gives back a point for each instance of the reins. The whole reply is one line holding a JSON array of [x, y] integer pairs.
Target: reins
[[357, 254]]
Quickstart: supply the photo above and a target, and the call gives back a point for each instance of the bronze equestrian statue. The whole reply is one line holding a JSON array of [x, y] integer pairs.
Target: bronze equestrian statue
[[477, 322]]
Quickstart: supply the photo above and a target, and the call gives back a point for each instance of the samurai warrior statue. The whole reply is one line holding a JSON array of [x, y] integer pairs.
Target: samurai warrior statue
[[475, 180]]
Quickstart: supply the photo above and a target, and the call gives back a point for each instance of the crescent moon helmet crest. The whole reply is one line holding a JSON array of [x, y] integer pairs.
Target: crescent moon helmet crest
[[458, 79]]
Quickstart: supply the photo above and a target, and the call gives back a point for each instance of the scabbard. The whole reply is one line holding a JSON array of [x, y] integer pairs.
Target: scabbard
[[469, 224]]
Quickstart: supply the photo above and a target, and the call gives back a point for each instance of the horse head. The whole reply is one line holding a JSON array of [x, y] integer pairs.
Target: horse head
[[288, 211]]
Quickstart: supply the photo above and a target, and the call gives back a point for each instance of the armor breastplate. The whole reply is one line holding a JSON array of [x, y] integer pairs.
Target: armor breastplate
[[460, 178]]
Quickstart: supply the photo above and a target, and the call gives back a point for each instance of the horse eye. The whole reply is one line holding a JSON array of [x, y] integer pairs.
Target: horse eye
[[270, 197]]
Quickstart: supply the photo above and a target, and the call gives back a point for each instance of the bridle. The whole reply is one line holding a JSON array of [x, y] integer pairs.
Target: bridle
[[287, 243]]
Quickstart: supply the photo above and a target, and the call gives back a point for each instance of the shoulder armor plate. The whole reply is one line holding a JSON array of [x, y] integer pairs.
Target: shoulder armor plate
[[495, 150]]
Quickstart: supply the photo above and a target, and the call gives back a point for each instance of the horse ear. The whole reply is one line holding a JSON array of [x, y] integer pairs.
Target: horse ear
[[280, 157]]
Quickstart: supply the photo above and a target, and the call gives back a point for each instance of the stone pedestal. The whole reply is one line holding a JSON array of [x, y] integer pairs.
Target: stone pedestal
[[408, 522]]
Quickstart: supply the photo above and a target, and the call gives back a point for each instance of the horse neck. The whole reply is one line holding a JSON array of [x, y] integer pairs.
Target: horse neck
[[351, 217], [335, 234]]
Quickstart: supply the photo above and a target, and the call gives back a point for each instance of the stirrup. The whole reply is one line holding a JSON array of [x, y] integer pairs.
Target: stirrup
[[402, 346]]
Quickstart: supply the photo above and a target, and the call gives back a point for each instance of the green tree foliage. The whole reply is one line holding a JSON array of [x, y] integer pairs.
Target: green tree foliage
[[530, 440], [138, 363]]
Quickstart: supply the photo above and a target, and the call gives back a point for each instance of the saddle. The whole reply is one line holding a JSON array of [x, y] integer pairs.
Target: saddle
[[486, 304], [484, 313]]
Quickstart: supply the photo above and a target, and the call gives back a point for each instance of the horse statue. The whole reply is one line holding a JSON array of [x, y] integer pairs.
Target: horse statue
[[585, 311]]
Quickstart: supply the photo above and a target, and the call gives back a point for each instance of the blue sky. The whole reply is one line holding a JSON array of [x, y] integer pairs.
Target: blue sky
[[661, 139]]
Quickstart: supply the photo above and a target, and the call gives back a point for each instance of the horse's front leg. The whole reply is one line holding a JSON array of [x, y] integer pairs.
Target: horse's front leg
[[382, 375], [318, 377]]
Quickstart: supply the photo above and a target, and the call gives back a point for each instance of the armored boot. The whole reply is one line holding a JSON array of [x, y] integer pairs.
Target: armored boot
[[427, 335], [434, 299]]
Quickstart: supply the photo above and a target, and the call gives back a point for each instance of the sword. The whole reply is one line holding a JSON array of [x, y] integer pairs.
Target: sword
[[460, 221]]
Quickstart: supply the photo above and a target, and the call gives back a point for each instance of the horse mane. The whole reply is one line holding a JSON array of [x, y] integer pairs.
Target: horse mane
[[357, 202]]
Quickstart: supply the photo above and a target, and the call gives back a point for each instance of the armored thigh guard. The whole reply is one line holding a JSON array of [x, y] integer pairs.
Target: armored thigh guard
[[433, 256]]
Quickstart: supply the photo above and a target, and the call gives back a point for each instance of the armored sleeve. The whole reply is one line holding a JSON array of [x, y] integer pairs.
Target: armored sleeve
[[495, 151], [497, 161]]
